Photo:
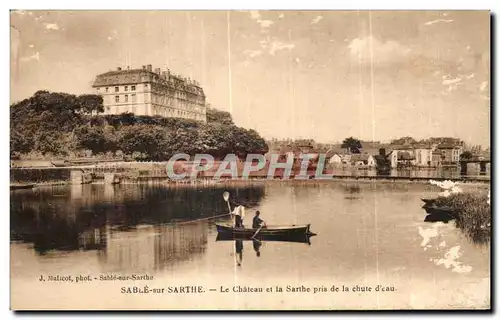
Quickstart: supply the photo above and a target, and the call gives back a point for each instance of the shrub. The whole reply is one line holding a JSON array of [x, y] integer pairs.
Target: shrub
[[472, 214]]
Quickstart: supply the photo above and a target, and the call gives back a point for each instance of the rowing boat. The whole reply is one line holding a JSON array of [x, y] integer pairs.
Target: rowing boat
[[282, 231], [438, 209], [304, 238]]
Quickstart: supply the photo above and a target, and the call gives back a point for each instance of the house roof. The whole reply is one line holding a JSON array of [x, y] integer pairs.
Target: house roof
[[447, 146]]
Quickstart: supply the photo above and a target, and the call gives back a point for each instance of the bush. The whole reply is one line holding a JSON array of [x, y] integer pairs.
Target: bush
[[472, 214], [58, 124]]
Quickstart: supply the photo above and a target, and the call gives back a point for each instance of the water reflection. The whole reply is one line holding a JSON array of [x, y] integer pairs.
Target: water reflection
[[150, 248], [131, 226], [129, 229], [256, 246], [239, 251]]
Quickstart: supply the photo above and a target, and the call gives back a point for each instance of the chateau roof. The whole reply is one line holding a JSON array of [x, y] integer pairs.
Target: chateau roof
[[133, 76]]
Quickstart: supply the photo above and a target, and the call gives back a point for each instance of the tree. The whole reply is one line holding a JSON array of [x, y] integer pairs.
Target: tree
[[222, 117], [61, 123], [215, 139], [404, 141], [90, 103], [18, 143], [146, 141], [467, 155], [183, 141], [352, 144], [99, 139]]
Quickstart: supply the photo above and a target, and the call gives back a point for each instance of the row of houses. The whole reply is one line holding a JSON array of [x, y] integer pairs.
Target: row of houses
[[393, 156]]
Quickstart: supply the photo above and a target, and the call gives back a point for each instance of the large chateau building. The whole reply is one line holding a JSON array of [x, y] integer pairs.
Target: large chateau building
[[151, 93]]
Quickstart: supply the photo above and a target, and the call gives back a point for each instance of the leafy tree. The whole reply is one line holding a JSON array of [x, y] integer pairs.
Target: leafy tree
[[19, 143], [467, 155], [215, 139], [146, 140], [404, 141], [183, 141], [352, 144], [222, 117], [60, 123], [99, 139], [90, 103], [51, 142]]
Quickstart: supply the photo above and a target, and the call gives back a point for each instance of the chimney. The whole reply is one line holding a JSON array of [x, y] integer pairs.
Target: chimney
[[150, 67], [143, 67], [164, 75], [381, 152], [157, 70], [118, 69], [128, 67]]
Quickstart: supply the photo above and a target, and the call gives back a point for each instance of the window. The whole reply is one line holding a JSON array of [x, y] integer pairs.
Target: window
[[145, 85], [133, 97], [117, 99], [117, 89], [126, 97], [133, 88], [107, 89], [126, 88]]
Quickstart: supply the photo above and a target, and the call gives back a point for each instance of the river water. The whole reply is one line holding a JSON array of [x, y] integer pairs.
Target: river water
[[369, 234]]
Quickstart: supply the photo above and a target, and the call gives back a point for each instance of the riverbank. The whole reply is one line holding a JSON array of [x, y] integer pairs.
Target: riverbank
[[164, 180]]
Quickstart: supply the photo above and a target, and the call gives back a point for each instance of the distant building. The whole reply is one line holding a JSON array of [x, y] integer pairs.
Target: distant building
[[336, 159], [436, 158], [362, 159], [402, 156], [423, 155], [450, 153], [151, 93]]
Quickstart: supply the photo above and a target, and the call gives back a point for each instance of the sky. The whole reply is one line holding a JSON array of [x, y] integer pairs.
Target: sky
[[325, 75]]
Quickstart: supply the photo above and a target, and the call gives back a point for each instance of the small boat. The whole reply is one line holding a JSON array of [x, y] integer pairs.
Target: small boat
[[429, 201], [17, 186], [271, 238], [438, 217], [438, 210], [282, 231]]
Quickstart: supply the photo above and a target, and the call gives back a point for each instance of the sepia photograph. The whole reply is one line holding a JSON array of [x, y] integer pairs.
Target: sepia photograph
[[290, 160]]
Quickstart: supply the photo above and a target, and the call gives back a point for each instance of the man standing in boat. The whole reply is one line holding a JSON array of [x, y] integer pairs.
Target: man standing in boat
[[238, 215], [257, 221]]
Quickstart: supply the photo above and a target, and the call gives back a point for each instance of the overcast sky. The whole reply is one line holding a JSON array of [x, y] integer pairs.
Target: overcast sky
[[322, 75]]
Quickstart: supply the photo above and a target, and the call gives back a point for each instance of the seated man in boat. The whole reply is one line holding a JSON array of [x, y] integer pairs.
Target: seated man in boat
[[257, 221]]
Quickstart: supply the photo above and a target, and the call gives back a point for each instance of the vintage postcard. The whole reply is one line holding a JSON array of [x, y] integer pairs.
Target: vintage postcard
[[250, 160]]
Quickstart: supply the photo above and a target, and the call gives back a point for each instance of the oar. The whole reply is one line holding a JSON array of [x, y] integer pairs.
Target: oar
[[256, 233], [226, 198]]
